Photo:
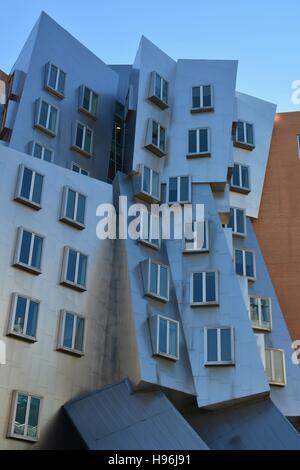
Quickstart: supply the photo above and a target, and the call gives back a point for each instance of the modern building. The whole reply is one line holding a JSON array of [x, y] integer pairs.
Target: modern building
[[108, 342]]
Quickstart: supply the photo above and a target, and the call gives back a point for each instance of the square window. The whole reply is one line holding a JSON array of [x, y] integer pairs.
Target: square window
[[204, 288], [73, 208], [275, 366], [179, 189], [71, 333], [29, 187], [23, 317], [199, 143], [83, 142], [219, 346], [167, 338], [24, 422], [55, 80], [28, 253], [74, 269], [46, 118], [88, 101], [202, 99]]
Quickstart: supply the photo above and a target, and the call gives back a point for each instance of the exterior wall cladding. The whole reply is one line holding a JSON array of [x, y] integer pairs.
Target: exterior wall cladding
[[226, 344]]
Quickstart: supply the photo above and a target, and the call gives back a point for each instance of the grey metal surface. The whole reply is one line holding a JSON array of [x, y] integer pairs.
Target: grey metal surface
[[117, 418]]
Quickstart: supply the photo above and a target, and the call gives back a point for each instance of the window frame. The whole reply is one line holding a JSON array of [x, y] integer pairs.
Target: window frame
[[39, 126], [199, 154], [80, 168], [13, 412], [149, 145], [20, 264], [12, 316], [158, 100], [204, 303], [219, 350], [33, 144], [22, 199], [234, 228], [81, 108], [179, 201], [72, 284], [241, 189], [81, 150], [148, 291], [244, 145], [61, 331], [196, 249], [145, 241], [150, 195], [63, 216], [244, 250], [274, 382], [260, 326], [167, 355], [201, 108], [48, 87]]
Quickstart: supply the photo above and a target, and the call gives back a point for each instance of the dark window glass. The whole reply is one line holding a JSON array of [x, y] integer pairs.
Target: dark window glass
[[68, 330], [162, 138], [94, 104], [163, 325], [26, 183], [210, 287], [32, 319], [212, 345], [82, 270], [153, 278], [265, 311], [173, 334], [71, 266], [165, 91], [163, 288], [203, 137], [53, 118], [226, 344], [245, 177], [193, 141], [19, 424], [158, 86], [197, 287], [231, 218], [79, 136], [47, 155], [88, 141], [239, 262], [33, 417], [155, 184], [25, 247], [207, 96], [184, 188], [53, 76], [196, 97], [80, 209], [37, 252], [19, 320], [240, 132], [240, 221], [173, 190], [146, 180], [249, 134], [249, 264], [236, 175], [37, 151], [37, 188], [254, 301], [43, 114], [86, 99], [79, 334], [61, 82], [155, 133], [70, 209]]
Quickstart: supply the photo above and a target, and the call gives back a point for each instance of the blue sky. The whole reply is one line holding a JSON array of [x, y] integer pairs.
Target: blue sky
[[262, 34]]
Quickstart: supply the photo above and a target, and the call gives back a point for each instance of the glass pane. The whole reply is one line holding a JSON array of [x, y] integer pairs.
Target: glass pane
[[32, 319], [254, 315], [155, 184], [154, 229], [207, 96], [278, 366], [196, 97], [70, 209], [226, 344], [173, 334], [71, 266], [52, 77], [84, 172], [212, 345], [47, 155], [52, 120], [193, 141], [37, 188], [197, 287], [76, 168], [88, 141], [79, 136], [162, 138], [163, 288], [37, 150], [94, 103], [33, 417], [26, 183], [81, 279], [25, 247], [240, 132], [203, 135], [43, 114], [249, 134], [86, 99], [162, 340], [173, 190], [240, 221], [211, 287], [265, 312], [79, 334], [268, 364], [184, 188], [80, 209], [146, 180], [165, 91], [231, 219], [19, 424], [153, 278], [61, 82], [245, 177], [19, 319], [236, 175], [37, 252], [249, 264], [158, 86], [239, 262], [68, 331]]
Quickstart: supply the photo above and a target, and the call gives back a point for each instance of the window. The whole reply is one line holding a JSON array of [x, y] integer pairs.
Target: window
[[41, 151], [204, 288], [71, 333], [73, 208], [74, 269], [159, 90], [219, 346], [167, 337], [46, 117], [156, 138], [55, 80], [79, 169], [24, 423], [29, 187], [150, 183], [237, 221], [244, 135], [179, 189], [29, 251], [23, 317], [199, 144], [88, 101], [196, 237], [202, 98], [240, 181], [158, 281], [275, 366], [245, 264], [83, 139], [150, 229], [260, 312]]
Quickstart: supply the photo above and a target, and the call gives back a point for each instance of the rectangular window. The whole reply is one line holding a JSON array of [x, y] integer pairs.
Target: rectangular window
[[245, 264], [29, 187], [219, 346], [24, 423], [150, 183], [88, 101], [55, 80], [260, 312], [202, 98], [196, 237], [204, 288], [46, 117], [237, 221], [150, 229], [159, 90], [275, 366], [28, 253], [156, 138], [72, 332], [167, 337], [79, 169], [179, 189], [74, 269], [73, 208], [23, 317], [158, 281], [41, 151], [83, 139], [245, 135], [199, 142], [240, 178]]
